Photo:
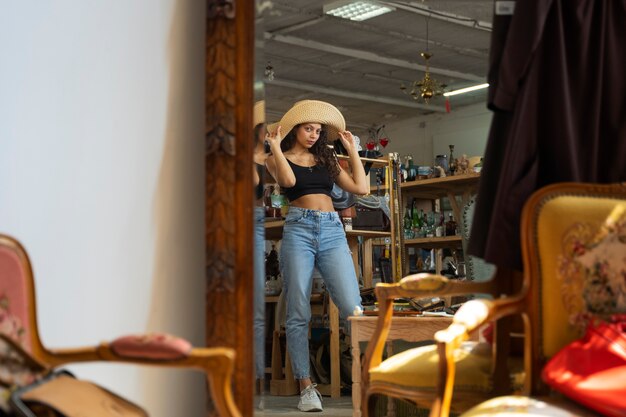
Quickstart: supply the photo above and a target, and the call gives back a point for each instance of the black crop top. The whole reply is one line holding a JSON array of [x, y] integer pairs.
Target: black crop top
[[260, 170], [309, 180]]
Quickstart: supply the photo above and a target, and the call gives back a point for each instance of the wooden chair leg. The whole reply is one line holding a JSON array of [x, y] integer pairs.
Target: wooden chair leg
[[220, 387], [368, 408]]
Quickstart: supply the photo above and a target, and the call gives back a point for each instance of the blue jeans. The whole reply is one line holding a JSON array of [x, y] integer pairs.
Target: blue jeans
[[259, 291], [313, 238]]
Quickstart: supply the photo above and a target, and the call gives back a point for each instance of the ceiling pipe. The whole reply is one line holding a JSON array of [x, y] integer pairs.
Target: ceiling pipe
[[444, 16], [368, 56], [356, 95]]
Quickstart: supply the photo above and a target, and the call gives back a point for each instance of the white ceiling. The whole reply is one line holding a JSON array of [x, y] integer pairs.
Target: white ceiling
[[359, 66]]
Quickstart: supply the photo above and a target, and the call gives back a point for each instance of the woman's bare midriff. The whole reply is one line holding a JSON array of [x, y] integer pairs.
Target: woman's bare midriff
[[320, 202]]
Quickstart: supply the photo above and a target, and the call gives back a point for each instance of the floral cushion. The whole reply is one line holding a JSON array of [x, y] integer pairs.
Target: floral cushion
[[16, 367], [604, 262], [592, 268]]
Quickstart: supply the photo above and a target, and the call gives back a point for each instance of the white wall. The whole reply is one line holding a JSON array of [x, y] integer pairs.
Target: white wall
[[426, 136], [408, 138], [101, 176]]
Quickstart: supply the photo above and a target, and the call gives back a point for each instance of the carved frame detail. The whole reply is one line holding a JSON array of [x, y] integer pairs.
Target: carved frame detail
[[229, 69]]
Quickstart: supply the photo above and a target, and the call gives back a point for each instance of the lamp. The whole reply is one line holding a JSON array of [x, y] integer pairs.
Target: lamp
[[428, 87], [377, 138], [356, 10], [466, 90]]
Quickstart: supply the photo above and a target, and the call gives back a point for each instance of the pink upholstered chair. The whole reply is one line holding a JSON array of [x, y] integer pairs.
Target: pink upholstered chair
[[18, 330]]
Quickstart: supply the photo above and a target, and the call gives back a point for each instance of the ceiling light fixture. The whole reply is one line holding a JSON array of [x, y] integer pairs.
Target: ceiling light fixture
[[466, 89], [356, 10], [427, 87]]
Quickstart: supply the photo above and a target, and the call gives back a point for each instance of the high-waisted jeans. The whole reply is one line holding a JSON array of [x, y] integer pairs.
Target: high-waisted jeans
[[259, 291], [313, 238]]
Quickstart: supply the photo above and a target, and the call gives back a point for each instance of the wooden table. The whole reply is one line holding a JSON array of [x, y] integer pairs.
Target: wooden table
[[409, 328]]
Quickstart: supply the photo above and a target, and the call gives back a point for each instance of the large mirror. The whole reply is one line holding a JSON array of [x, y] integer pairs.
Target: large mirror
[[386, 72]]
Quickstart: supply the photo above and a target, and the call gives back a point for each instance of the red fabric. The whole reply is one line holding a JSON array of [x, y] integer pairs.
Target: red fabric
[[592, 370], [151, 346], [487, 333]]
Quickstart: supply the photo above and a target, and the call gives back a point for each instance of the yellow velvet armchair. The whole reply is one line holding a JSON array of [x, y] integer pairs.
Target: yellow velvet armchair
[[18, 328], [412, 375], [559, 222]]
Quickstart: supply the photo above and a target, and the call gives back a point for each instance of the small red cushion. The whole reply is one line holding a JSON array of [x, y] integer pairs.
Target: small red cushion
[[151, 346]]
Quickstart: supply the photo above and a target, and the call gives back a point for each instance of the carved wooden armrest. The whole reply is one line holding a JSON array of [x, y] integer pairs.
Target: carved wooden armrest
[[217, 363], [426, 285], [413, 286], [136, 348], [468, 319]]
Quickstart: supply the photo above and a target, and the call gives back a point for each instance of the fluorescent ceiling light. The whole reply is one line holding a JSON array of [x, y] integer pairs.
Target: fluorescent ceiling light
[[356, 10], [466, 90]]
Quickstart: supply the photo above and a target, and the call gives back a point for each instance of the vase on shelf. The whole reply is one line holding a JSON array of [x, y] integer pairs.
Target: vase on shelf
[[410, 169], [451, 161]]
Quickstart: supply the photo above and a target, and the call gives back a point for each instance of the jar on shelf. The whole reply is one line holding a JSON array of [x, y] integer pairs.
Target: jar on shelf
[[479, 166], [442, 161]]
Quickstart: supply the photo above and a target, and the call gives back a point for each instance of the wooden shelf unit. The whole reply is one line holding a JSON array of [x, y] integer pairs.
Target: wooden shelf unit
[[435, 242], [458, 189]]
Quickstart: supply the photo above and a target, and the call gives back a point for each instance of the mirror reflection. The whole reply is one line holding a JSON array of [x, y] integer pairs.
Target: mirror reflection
[[385, 74], [260, 154]]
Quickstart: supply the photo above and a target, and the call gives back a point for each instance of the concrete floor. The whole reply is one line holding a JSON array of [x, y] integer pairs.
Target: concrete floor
[[288, 407]]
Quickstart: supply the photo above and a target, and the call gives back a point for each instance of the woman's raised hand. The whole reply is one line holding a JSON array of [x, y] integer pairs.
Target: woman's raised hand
[[347, 139], [274, 138]]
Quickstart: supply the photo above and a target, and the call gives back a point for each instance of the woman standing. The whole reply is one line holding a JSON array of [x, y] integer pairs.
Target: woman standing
[[306, 168], [258, 117]]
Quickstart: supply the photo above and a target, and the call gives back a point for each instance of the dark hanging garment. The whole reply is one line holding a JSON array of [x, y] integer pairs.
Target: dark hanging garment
[[558, 92]]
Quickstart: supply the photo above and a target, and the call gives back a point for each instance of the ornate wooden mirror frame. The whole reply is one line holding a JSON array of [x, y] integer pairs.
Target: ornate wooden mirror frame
[[229, 199]]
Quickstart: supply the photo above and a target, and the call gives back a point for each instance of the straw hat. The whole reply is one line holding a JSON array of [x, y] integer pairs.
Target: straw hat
[[312, 111], [258, 113]]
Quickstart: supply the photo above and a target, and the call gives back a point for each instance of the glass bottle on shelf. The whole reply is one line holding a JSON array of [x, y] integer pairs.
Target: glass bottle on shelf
[[408, 223], [430, 224], [451, 226], [417, 221]]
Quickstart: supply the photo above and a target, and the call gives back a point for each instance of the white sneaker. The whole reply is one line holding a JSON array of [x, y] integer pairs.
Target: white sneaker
[[261, 404], [310, 399]]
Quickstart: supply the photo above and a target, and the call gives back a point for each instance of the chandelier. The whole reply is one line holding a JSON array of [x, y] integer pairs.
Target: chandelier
[[269, 72], [428, 87]]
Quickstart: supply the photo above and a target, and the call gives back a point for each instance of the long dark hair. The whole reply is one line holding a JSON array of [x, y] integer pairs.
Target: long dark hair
[[257, 131], [323, 154]]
